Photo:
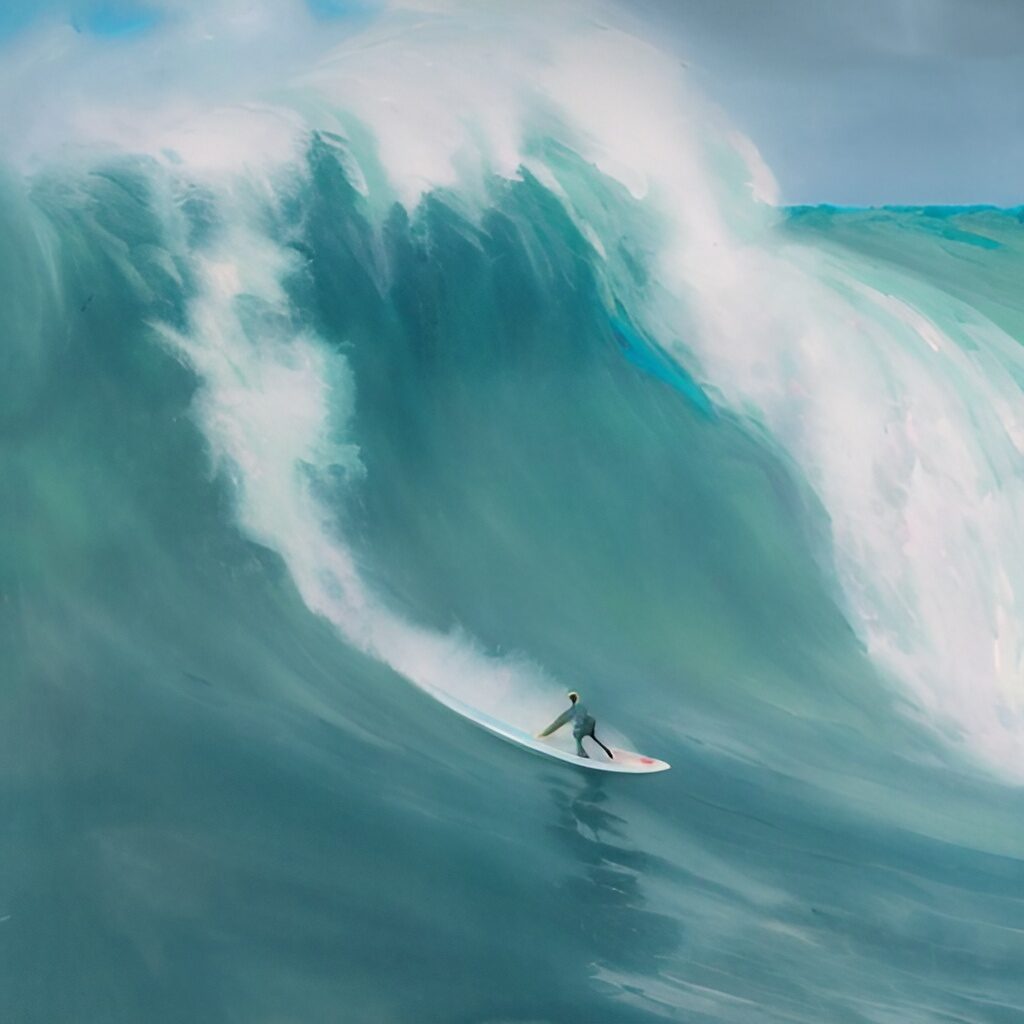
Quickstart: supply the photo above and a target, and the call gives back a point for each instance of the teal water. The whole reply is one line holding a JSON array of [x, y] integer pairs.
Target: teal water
[[281, 457]]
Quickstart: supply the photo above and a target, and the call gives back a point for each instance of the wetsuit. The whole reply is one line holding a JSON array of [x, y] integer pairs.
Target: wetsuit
[[582, 725]]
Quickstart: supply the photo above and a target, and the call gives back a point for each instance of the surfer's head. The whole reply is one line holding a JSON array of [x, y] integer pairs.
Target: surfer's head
[[573, 696]]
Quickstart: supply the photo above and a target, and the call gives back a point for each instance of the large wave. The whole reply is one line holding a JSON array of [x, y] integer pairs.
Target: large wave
[[896, 400]]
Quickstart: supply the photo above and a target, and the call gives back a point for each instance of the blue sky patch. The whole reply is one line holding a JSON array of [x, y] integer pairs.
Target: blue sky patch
[[108, 19]]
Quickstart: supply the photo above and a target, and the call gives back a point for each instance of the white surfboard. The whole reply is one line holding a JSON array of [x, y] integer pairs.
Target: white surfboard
[[623, 761]]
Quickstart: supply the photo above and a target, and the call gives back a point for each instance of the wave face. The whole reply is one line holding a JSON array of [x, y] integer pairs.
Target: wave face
[[462, 361]]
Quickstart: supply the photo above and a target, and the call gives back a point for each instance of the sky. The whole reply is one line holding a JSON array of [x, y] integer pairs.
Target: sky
[[866, 102], [852, 103]]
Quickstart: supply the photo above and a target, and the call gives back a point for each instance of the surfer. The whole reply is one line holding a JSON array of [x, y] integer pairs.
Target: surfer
[[582, 725]]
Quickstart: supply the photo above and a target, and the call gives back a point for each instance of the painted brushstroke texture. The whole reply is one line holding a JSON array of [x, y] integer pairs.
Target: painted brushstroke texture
[[368, 370]]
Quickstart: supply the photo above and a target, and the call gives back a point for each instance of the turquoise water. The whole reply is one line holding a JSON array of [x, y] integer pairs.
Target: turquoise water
[[282, 455]]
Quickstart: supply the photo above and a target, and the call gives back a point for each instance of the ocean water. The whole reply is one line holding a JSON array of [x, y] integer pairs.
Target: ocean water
[[362, 392]]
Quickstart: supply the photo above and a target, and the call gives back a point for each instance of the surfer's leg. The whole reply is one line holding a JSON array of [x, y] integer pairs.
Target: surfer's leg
[[593, 736], [580, 752]]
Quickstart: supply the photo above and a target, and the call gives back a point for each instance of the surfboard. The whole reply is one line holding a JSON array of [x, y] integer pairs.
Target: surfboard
[[625, 762]]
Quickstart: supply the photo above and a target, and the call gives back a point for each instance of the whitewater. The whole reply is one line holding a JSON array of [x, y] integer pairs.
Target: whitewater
[[367, 375]]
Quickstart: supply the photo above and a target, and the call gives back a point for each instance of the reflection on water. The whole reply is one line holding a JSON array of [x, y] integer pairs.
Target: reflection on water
[[605, 878]]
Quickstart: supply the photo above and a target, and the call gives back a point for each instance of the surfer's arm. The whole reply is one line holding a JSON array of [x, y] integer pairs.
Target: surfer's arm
[[557, 723]]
